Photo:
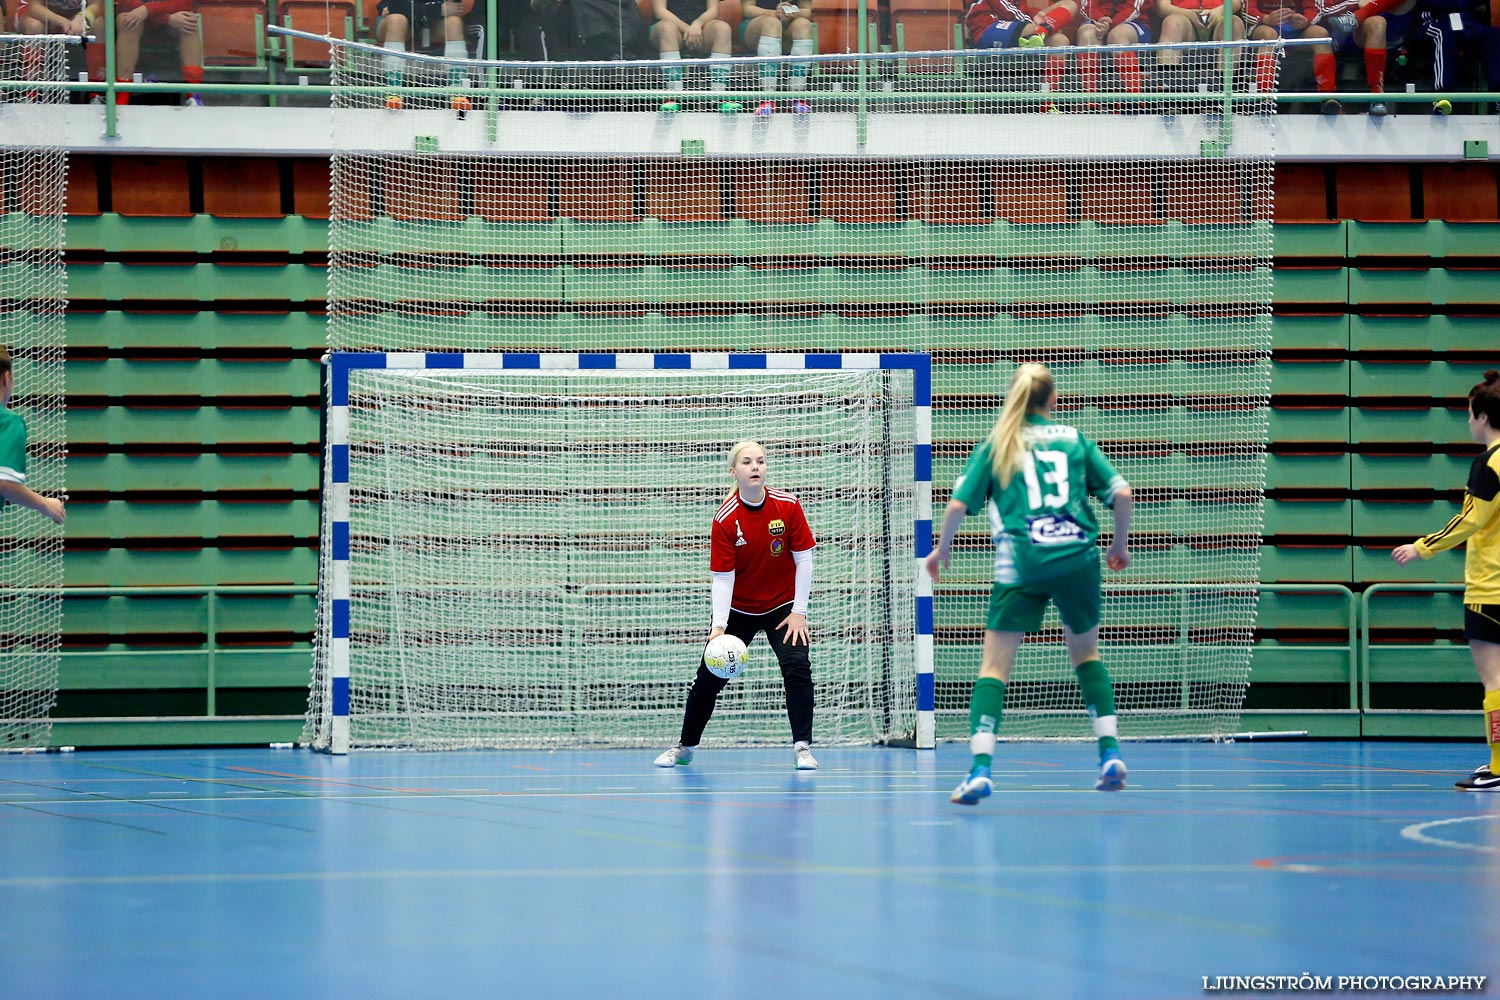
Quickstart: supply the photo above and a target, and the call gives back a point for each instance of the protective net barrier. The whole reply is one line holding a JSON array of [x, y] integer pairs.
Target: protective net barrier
[[33, 296], [527, 552], [1108, 216]]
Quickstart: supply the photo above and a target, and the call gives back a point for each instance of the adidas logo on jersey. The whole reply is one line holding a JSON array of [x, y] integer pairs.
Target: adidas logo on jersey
[[739, 536]]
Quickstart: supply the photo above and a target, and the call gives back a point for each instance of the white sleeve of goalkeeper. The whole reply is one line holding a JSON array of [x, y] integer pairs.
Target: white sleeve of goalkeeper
[[723, 591]]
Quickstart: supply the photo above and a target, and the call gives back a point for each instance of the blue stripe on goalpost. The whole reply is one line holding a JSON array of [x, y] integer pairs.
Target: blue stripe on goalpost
[[341, 363]]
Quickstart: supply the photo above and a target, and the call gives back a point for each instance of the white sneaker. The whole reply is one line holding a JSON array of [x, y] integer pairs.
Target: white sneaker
[[805, 760], [674, 755]]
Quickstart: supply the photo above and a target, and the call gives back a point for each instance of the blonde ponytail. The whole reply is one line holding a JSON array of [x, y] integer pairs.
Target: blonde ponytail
[[1030, 391], [734, 456]]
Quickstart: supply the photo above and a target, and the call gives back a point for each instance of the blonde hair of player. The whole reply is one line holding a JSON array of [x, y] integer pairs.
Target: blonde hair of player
[[1031, 389], [734, 456]]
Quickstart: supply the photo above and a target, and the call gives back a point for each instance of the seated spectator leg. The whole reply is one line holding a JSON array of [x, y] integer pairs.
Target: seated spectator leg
[[1089, 38], [1265, 59], [1127, 63], [668, 39], [1176, 29], [1216, 32], [130, 24], [802, 45], [1371, 36], [1056, 19], [184, 24], [391, 32], [453, 44], [763, 37], [720, 42]]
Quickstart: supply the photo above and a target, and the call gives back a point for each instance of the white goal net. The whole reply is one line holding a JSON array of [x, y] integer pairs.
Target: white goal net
[[527, 552], [33, 298], [1107, 212]]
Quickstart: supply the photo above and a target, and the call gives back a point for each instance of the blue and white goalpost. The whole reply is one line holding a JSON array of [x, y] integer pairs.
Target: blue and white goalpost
[[514, 545]]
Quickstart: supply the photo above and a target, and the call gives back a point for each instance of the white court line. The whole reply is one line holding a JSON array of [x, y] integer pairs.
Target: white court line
[[1416, 832]]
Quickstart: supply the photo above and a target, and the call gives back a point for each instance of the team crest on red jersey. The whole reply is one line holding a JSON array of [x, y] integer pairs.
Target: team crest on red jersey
[[776, 527], [777, 546]]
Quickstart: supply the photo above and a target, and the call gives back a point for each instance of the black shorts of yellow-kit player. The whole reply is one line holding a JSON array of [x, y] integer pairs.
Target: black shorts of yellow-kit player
[[1018, 607], [1482, 622]]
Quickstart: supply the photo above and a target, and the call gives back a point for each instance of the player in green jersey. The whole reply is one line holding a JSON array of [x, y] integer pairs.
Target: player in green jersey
[[13, 488], [1034, 478]]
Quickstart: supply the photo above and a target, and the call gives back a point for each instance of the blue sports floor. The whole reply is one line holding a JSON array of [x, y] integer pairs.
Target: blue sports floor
[[285, 874]]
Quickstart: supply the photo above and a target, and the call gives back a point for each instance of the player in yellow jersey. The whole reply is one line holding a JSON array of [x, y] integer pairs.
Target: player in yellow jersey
[[1478, 522]]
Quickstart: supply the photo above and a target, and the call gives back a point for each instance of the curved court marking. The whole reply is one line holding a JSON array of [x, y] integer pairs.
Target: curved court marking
[[1415, 832]]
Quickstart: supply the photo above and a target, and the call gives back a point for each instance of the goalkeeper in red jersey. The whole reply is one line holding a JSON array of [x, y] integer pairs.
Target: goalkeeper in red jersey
[[1478, 523], [761, 560]]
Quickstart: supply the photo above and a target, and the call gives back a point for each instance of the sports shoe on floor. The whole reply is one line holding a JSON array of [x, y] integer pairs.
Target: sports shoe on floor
[[1379, 110], [805, 760], [1332, 107], [1111, 772], [393, 102], [670, 107], [765, 109], [730, 107], [193, 101], [1443, 107], [674, 755], [801, 108], [460, 104], [1482, 780], [973, 788]]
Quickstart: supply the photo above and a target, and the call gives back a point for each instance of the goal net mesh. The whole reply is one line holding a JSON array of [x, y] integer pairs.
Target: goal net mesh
[[33, 297], [986, 208], [528, 552]]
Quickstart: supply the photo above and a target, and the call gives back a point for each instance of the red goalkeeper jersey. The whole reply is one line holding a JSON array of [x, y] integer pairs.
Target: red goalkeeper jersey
[[756, 544]]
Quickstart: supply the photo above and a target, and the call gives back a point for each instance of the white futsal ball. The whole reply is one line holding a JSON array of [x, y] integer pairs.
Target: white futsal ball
[[725, 656]]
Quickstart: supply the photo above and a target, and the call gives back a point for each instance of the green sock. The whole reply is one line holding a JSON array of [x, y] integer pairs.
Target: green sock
[[985, 706], [1099, 698]]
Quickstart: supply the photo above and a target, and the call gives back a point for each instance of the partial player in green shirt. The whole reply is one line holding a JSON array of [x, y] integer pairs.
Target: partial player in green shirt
[[1034, 478], [13, 488]]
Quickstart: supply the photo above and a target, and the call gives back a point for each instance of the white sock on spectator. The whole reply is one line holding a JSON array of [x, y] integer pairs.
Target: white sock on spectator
[[797, 80], [394, 67], [673, 70], [768, 47], [455, 50]]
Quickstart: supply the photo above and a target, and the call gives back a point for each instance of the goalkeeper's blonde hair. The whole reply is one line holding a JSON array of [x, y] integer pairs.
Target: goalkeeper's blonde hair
[[1031, 389], [734, 456]]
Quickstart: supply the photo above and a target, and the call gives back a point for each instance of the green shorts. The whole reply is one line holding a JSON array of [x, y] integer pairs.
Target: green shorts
[[1018, 607]]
